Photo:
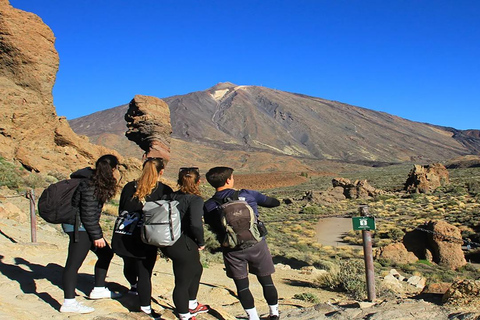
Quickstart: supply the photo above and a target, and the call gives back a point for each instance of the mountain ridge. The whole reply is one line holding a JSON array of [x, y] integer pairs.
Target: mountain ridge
[[258, 119]]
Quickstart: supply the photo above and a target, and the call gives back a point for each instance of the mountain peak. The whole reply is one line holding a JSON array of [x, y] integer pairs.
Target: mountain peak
[[223, 85]]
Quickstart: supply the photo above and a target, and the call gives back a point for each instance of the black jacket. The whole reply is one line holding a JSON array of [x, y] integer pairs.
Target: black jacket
[[191, 210], [90, 207]]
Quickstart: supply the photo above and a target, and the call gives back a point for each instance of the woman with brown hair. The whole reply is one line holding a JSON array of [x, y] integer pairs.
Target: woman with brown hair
[[139, 258], [184, 253], [97, 187]]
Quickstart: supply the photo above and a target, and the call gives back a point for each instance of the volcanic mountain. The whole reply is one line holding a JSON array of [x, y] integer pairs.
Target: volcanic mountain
[[251, 120]]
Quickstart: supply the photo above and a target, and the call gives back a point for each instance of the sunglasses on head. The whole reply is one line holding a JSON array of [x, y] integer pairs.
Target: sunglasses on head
[[189, 169], [153, 158]]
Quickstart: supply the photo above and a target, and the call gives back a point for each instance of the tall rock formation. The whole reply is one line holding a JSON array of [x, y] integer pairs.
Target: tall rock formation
[[148, 123], [31, 133]]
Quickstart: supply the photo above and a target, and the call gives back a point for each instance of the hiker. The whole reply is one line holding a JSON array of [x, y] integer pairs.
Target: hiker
[[99, 185], [184, 253], [139, 258], [256, 257]]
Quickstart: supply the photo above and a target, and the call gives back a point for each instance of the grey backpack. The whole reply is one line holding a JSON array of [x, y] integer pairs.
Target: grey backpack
[[161, 222]]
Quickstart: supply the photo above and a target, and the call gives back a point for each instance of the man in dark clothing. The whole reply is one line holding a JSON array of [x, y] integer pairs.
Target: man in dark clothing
[[238, 262]]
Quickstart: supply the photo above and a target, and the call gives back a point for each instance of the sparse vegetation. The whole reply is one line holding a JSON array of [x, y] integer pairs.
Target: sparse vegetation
[[292, 227], [308, 297]]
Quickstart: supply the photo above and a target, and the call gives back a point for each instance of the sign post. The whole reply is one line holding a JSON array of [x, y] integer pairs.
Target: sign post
[[366, 223]]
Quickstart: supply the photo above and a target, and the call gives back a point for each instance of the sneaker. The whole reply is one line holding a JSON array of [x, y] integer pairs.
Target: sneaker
[[201, 308], [101, 293], [274, 317], [76, 307]]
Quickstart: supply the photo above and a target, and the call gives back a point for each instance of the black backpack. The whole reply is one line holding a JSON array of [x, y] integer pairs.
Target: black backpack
[[239, 222], [55, 204]]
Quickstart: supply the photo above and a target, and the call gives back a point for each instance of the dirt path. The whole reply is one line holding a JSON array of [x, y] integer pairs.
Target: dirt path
[[30, 282], [330, 231]]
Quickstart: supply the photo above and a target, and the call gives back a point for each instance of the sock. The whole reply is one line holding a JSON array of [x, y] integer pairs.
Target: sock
[[252, 314], [146, 309], [192, 304], [98, 288], [69, 302], [273, 309], [184, 316]]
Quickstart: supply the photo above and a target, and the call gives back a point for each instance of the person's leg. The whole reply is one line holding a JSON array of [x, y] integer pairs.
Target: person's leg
[[182, 255], [270, 293], [104, 256], [100, 291], [130, 270], [246, 298], [196, 269], [77, 252], [144, 287]]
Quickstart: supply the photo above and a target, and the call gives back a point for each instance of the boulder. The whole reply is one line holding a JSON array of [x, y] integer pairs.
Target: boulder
[[357, 189], [425, 179], [437, 241], [446, 244], [437, 288], [149, 126], [397, 253]]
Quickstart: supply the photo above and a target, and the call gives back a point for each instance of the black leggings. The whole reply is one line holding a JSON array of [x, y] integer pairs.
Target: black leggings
[[245, 295], [139, 271], [77, 252], [187, 270]]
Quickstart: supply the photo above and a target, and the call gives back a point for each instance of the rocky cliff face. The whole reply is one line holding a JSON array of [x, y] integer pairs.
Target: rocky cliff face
[[31, 133]]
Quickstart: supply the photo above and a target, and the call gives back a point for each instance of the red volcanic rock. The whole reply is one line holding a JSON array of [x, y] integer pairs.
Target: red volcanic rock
[[425, 179]]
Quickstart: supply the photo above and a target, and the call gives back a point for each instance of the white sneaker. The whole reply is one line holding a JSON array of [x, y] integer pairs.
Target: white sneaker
[[76, 307], [101, 293]]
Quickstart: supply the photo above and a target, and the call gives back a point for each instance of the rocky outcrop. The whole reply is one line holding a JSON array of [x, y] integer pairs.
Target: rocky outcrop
[[438, 239], [463, 293], [357, 189], [397, 253], [148, 123], [425, 179], [446, 243], [31, 133]]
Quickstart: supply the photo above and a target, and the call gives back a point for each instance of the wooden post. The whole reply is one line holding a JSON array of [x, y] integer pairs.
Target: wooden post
[[33, 217], [368, 256]]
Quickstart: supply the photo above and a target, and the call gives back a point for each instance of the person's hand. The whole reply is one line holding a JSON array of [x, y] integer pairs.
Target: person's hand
[[99, 243], [201, 248]]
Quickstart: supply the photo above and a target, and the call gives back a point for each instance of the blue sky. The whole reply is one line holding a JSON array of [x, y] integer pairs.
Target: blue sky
[[416, 59]]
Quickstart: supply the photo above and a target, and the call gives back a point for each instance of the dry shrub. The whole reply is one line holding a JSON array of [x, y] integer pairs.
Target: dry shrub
[[346, 276]]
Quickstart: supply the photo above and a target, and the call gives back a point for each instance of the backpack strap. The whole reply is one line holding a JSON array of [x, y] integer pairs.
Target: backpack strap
[[221, 201]]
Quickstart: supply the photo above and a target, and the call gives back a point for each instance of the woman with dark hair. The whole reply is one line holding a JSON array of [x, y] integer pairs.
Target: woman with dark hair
[[98, 186], [185, 252], [139, 258]]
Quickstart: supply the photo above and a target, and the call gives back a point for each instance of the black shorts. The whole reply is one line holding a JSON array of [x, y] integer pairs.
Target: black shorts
[[256, 260]]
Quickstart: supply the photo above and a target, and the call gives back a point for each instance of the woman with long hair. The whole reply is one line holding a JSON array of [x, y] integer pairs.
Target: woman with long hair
[[184, 253], [97, 187], [139, 258]]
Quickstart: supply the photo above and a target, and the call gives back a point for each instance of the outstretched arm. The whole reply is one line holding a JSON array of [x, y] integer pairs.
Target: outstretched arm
[[270, 202]]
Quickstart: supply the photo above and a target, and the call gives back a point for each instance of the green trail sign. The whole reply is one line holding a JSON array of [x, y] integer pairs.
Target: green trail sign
[[363, 223]]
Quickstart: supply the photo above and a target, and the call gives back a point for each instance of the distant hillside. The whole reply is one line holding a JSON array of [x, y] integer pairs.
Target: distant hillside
[[256, 119]]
